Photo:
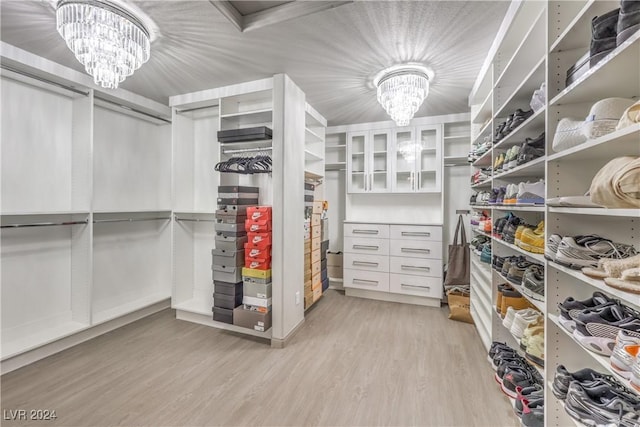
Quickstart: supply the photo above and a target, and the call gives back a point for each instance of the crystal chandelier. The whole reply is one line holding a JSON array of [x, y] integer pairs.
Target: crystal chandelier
[[109, 41], [402, 89]]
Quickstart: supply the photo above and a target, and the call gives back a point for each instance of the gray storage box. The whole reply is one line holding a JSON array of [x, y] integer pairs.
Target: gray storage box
[[259, 281], [237, 189], [225, 227], [323, 264], [257, 290], [230, 242], [252, 319], [226, 301], [324, 274], [232, 258], [231, 233], [226, 209], [253, 196], [230, 219], [228, 288], [224, 315], [226, 274]]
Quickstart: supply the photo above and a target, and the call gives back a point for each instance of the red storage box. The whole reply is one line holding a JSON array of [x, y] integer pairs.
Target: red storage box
[[257, 226], [257, 263], [253, 251], [257, 213], [259, 239]]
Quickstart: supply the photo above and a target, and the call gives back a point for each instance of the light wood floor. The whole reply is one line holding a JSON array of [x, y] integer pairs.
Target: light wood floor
[[355, 362]]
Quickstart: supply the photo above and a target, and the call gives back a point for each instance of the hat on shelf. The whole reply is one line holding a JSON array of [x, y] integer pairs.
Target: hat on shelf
[[568, 134], [604, 116], [630, 116]]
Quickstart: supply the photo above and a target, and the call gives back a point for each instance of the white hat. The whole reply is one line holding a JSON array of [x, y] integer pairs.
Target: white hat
[[568, 134], [604, 116]]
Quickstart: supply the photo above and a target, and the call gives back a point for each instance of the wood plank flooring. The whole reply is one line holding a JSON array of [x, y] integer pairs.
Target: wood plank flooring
[[354, 362]]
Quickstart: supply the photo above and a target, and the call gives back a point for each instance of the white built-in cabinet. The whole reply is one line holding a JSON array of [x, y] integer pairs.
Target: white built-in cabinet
[[369, 163]]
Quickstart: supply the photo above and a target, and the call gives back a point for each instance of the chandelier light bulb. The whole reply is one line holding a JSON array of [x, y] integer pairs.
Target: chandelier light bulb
[[401, 91], [109, 41]]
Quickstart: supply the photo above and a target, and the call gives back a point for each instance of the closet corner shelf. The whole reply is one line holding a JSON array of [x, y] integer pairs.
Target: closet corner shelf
[[625, 297], [484, 131], [522, 93], [335, 166], [531, 127], [602, 360], [603, 80], [534, 168], [537, 257], [311, 136], [540, 305], [129, 307], [630, 213], [623, 142]]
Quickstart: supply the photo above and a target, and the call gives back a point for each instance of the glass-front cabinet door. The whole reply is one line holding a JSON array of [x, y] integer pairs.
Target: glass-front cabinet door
[[428, 158], [404, 161], [357, 162], [379, 149]]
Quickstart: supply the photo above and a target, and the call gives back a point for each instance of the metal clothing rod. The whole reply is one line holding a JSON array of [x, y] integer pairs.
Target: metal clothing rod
[[126, 107], [44, 80], [195, 219], [188, 110], [96, 221], [246, 150], [44, 224]]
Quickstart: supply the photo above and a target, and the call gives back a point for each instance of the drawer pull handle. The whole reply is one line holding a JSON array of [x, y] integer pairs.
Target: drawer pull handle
[[366, 282], [415, 267], [426, 251], [365, 231], [416, 233], [426, 288], [368, 247], [364, 263]]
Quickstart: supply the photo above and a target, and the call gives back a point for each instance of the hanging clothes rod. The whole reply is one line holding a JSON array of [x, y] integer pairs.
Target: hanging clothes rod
[[44, 80], [44, 224], [195, 219], [157, 218], [135, 110], [246, 150]]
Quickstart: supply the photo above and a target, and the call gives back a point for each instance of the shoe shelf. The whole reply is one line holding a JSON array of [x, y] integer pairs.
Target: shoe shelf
[[484, 131], [625, 297], [536, 257], [603, 80], [484, 112], [507, 208], [484, 268], [485, 183], [523, 92], [480, 207], [604, 361], [539, 305], [561, 403], [623, 142], [475, 230], [578, 32], [534, 168], [516, 345], [481, 326], [530, 128], [629, 213], [484, 160]]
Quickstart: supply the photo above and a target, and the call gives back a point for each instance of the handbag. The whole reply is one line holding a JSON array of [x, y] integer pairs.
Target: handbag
[[458, 271], [460, 305]]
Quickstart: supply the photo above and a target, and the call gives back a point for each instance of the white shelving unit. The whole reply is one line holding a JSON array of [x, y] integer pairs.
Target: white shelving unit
[[567, 28]]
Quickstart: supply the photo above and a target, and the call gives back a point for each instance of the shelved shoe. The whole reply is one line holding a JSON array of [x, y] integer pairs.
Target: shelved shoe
[[519, 231], [635, 374], [551, 248], [530, 193], [485, 256], [521, 321], [513, 298], [519, 117], [602, 405], [529, 394], [596, 329], [509, 316], [624, 353], [535, 327], [516, 271], [506, 265], [523, 376], [570, 308], [563, 379], [509, 232], [604, 31], [628, 20], [533, 282], [532, 413], [585, 251], [501, 288], [531, 149], [510, 195], [535, 348], [512, 161], [533, 240]]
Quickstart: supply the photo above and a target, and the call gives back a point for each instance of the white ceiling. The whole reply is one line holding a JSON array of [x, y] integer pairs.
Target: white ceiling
[[331, 54]]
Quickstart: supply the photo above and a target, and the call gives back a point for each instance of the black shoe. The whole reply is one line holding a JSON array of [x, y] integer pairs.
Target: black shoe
[[628, 21], [602, 405], [604, 30], [530, 150], [520, 117]]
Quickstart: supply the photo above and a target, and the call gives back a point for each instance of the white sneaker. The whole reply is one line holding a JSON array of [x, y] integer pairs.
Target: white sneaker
[[530, 193], [522, 320], [508, 318], [635, 374], [624, 353]]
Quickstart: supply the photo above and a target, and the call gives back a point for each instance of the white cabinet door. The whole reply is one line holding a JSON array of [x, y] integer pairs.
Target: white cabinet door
[[404, 160], [428, 159], [357, 162], [379, 174]]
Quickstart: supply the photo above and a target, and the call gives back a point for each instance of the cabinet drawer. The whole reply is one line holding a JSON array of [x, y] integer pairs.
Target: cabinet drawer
[[369, 280], [381, 231], [415, 266], [415, 285], [416, 232], [359, 245], [366, 262], [416, 248]]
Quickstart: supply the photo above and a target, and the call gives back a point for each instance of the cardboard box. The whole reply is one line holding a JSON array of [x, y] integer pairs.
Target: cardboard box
[[259, 274], [307, 246], [315, 268], [315, 220], [308, 301], [334, 259], [317, 293], [252, 319], [317, 206], [257, 226], [324, 227], [230, 243], [316, 233], [256, 290], [259, 213], [307, 275], [316, 245], [315, 285], [259, 239], [334, 272], [315, 257]]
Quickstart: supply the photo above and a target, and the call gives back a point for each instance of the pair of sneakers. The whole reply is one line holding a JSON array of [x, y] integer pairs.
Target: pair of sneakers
[[517, 321], [625, 358], [582, 251]]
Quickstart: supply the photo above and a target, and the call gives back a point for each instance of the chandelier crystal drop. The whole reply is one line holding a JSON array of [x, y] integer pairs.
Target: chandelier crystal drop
[[402, 90], [109, 41]]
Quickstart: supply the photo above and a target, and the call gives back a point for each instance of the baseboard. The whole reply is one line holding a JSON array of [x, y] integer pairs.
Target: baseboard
[[47, 350], [283, 342], [385, 296]]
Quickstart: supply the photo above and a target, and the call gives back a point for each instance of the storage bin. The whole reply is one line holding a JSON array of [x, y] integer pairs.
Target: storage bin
[[259, 239], [260, 226], [233, 258], [257, 263], [252, 319], [230, 243], [257, 302], [253, 251], [228, 288], [224, 315], [226, 301], [257, 213], [257, 290], [226, 274]]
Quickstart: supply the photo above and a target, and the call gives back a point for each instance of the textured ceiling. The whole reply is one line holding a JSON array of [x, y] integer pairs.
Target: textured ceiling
[[331, 55]]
